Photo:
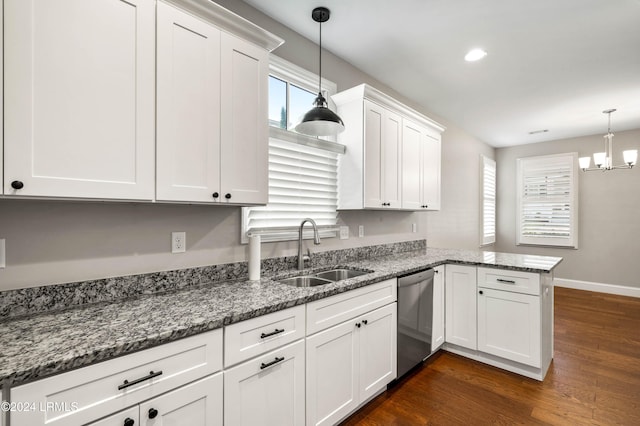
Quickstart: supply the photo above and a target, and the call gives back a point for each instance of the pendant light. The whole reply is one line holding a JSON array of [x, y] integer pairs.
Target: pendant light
[[320, 120], [604, 160]]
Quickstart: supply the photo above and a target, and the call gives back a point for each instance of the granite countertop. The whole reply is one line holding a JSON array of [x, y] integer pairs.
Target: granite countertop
[[50, 343]]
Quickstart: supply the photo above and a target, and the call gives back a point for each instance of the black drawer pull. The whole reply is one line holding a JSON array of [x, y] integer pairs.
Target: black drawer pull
[[269, 364], [273, 333], [127, 383], [129, 422], [500, 280]]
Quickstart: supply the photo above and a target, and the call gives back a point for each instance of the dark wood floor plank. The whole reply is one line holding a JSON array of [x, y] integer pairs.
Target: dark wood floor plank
[[594, 378]]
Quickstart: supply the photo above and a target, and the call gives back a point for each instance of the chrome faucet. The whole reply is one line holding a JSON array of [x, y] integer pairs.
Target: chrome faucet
[[316, 241]]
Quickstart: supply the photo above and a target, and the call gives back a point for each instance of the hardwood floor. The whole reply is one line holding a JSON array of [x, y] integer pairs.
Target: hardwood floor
[[594, 378]]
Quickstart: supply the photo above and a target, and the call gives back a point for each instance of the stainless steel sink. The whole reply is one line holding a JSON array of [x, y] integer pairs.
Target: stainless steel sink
[[340, 274], [322, 278], [305, 281]]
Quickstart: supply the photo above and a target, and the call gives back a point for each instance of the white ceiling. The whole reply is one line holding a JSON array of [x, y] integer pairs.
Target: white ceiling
[[551, 64]]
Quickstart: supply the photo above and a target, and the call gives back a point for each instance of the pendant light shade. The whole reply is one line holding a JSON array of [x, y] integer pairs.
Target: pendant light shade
[[320, 120]]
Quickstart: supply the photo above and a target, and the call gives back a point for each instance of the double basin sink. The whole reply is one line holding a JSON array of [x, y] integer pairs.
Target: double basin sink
[[322, 278]]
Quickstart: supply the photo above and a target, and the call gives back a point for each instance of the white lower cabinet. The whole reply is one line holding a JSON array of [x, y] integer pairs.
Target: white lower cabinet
[[128, 417], [267, 390], [509, 325], [196, 404], [90, 393], [460, 288], [349, 363], [437, 335]]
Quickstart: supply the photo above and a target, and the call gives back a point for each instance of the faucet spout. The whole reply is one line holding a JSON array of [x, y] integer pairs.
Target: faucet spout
[[316, 240]]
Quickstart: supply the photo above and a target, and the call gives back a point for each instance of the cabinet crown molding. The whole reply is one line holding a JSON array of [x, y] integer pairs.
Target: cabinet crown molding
[[230, 22], [368, 92]]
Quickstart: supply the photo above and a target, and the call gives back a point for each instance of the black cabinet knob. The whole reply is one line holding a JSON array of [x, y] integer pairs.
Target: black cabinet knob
[[480, 292], [153, 413], [227, 196], [365, 322], [16, 184], [358, 324], [426, 206], [215, 195], [129, 422]]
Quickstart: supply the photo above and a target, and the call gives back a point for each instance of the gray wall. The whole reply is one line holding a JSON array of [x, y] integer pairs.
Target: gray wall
[[52, 242], [609, 229]]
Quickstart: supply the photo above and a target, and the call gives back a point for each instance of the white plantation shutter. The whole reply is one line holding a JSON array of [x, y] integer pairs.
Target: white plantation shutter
[[488, 201], [547, 200], [302, 184]]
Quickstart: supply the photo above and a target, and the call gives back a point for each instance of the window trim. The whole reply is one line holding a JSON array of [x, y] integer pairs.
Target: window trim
[[484, 162], [298, 76], [572, 198]]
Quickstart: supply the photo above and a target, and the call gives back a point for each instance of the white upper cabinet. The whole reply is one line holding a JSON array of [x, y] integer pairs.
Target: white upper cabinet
[[382, 179], [392, 160], [212, 113], [420, 167], [80, 101], [188, 140], [245, 137], [79, 98]]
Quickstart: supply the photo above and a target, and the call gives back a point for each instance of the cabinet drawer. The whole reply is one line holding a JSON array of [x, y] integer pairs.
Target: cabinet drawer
[[253, 337], [325, 313], [86, 394], [514, 281]]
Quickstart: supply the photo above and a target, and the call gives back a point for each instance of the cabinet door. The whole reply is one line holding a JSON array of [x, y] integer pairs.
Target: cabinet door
[[244, 143], [378, 350], [332, 374], [267, 390], [382, 160], [188, 107], [392, 160], [196, 404], [79, 80], [509, 325], [412, 141], [437, 338], [460, 288], [431, 171], [123, 418]]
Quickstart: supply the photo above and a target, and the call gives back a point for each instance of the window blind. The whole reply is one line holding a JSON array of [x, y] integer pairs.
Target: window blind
[[302, 183], [488, 201], [548, 200]]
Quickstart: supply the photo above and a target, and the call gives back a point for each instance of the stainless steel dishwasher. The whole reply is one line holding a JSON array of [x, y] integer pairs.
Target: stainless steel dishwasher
[[415, 319]]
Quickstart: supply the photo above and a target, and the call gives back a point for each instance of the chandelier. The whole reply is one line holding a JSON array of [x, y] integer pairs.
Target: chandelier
[[604, 160]]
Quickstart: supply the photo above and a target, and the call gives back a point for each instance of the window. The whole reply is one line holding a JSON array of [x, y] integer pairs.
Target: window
[[303, 171], [548, 200], [488, 202]]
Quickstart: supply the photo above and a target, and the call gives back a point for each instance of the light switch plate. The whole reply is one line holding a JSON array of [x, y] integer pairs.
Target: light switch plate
[[361, 231], [344, 232], [414, 227]]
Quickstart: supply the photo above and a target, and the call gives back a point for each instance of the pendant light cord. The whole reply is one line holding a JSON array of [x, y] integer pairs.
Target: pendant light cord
[[320, 67]]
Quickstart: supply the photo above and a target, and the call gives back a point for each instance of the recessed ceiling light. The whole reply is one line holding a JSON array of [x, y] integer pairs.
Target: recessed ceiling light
[[535, 132], [475, 55]]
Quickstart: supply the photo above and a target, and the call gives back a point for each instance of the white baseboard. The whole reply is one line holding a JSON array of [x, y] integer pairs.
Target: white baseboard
[[620, 290]]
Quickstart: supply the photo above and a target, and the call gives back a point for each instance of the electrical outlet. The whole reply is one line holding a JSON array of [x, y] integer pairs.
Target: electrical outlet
[[414, 227], [3, 253], [344, 232], [178, 242], [361, 231]]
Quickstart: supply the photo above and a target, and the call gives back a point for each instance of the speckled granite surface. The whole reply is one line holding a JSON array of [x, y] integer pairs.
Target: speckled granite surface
[[30, 301], [48, 343]]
